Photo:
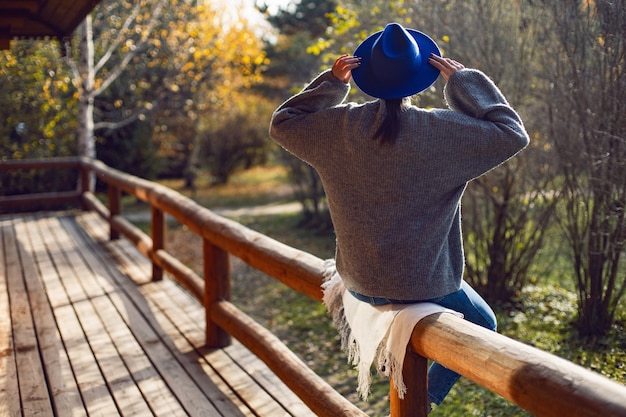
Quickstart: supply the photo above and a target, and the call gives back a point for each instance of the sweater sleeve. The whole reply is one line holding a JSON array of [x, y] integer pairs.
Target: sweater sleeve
[[471, 92], [305, 115], [497, 132]]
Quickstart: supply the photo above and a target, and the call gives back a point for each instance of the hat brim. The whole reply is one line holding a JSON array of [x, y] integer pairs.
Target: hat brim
[[424, 76]]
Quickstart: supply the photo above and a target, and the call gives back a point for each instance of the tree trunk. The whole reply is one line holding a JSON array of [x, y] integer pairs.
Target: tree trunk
[[85, 133]]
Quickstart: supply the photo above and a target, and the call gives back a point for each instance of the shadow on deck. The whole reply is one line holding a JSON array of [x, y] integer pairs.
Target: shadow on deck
[[84, 331]]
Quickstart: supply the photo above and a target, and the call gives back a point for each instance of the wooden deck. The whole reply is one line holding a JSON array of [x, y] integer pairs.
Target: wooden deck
[[83, 331]]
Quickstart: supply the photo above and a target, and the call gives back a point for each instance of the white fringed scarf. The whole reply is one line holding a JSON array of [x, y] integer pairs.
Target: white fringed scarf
[[370, 332]]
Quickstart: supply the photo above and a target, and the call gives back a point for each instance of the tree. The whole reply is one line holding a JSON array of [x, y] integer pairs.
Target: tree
[[36, 103], [506, 212], [227, 106], [37, 117], [585, 108], [234, 139], [122, 37], [170, 60], [299, 27], [294, 64]]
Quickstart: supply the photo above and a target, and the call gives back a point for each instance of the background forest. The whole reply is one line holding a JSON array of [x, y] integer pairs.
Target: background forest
[[185, 89]]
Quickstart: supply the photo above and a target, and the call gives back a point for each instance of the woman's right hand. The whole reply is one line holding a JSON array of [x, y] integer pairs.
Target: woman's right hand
[[343, 66]]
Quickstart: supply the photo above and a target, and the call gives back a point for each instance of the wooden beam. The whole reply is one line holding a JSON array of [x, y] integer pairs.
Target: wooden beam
[[38, 201], [216, 289], [415, 377], [40, 163], [30, 5], [115, 209], [295, 268], [306, 384], [541, 383], [5, 38], [157, 230], [22, 23]]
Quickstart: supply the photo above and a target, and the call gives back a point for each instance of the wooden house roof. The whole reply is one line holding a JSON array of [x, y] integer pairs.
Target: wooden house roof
[[31, 19]]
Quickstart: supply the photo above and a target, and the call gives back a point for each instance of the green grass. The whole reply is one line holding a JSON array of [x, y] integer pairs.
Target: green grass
[[256, 186], [543, 321]]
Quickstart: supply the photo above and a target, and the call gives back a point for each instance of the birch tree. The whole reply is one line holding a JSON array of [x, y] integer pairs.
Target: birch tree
[[93, 74], [174, 59]]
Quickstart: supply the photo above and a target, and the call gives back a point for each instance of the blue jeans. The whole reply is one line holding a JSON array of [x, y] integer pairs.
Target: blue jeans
[[474, 309]]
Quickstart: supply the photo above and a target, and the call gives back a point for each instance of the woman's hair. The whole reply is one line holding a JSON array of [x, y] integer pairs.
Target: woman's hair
[[389, 129]]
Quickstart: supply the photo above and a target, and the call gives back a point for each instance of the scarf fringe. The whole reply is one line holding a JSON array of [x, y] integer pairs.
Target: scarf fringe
[[386, 364]]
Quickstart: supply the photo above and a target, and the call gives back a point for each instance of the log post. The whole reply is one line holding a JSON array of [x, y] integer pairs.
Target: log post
[[83, 183], [158, 240], [415, 376], [115, 209], [216, 288]]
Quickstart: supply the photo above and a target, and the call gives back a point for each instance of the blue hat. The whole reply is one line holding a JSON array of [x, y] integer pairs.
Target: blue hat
[[394, 63]]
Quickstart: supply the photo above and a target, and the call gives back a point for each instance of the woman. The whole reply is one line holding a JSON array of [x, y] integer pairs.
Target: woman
[[394, 173]]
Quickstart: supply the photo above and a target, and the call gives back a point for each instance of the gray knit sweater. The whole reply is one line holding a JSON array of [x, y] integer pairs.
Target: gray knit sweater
[[396, 208]]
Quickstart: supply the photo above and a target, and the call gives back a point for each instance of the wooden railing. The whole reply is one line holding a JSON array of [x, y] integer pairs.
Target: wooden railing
[[538, 382]]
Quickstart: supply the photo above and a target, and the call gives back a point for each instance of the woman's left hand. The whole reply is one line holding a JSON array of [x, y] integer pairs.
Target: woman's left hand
[[447, 66], [343, 66]]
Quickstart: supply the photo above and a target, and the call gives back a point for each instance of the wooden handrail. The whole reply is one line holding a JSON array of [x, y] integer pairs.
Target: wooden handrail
[[222, 236], [298, 269], [539, 382], [314, 391], [43, 199], [40, 163]]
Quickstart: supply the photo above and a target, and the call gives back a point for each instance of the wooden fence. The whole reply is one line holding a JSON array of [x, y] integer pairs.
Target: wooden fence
[[538, 382]]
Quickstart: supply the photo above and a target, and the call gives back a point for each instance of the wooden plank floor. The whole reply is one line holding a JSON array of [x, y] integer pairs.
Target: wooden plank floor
[[83, 331]]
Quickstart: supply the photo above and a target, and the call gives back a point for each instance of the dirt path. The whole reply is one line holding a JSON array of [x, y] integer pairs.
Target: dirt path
[[233, 213], [269, 209]]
